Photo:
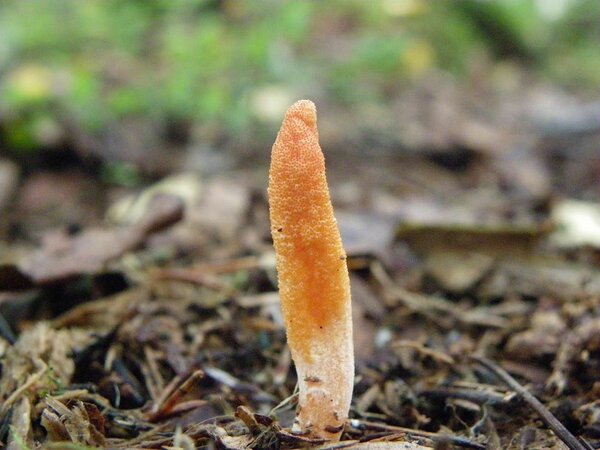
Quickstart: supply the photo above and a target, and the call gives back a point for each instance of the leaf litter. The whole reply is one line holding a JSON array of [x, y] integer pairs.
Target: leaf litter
[[476, 318]]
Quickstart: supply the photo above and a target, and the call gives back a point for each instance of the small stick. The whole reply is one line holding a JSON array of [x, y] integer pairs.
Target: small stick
[[547, 417], [173, 399], [31, 380], [167, 391], [228, 266], [195, 277], [434, 437]]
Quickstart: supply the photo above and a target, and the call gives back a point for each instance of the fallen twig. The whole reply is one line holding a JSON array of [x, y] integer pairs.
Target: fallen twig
[[547, 417], [166, 406], [434, 437]]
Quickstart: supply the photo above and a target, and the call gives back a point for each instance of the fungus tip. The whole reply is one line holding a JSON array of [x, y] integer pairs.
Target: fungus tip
[[304, 110]]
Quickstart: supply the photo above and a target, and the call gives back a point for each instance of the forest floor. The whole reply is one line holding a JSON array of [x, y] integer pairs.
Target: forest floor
[[150, 318]]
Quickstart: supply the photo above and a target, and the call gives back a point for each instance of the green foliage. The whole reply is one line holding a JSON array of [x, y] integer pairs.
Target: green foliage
[[120, 174], [87, 63], [575, 59]]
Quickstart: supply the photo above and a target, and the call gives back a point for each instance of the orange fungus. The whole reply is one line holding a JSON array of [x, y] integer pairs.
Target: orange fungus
[[313, 277]]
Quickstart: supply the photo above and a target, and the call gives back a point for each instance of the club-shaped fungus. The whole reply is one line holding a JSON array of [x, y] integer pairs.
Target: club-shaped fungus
[[313, 276]]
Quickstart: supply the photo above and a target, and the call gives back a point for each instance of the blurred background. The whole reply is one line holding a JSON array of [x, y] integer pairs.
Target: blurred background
[[483, 102], [462, 140]]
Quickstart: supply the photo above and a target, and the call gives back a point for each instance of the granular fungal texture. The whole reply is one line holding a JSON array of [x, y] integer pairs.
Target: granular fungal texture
[[313, 277]]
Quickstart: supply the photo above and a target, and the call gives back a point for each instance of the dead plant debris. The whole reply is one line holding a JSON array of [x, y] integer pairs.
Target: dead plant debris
[[476, 326]]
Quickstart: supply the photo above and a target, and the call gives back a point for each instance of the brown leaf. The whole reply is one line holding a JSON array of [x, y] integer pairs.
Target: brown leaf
[[62, 256]]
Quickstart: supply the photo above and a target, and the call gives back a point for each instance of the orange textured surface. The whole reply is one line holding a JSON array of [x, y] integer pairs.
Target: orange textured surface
[[311, 262], [313, 277]]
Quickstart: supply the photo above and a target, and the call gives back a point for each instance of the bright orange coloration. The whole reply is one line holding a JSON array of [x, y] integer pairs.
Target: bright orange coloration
[[313, 277]]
